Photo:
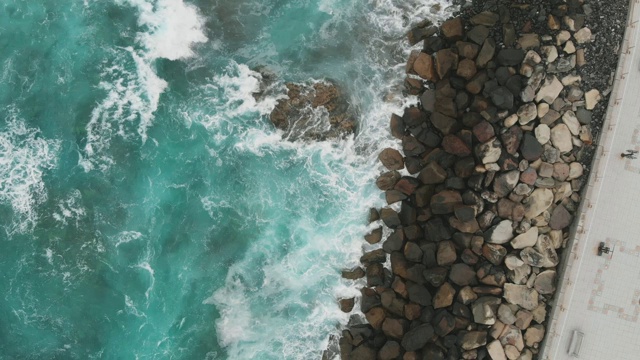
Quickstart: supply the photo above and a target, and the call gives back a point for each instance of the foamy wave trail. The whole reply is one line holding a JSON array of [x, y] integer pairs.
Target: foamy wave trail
[[25, 157], [168, 29]]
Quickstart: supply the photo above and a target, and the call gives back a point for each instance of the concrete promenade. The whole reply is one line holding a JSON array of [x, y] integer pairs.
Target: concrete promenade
[[597, 313]]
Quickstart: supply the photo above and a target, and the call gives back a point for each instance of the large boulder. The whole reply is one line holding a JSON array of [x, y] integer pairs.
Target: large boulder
[[417, 338]]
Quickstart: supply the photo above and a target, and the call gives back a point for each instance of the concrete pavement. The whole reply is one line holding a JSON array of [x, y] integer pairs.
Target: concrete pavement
[[597, 311]]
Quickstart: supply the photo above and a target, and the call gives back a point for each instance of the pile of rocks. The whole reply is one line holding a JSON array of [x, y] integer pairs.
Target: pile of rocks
[[315, 111], [487, 185]]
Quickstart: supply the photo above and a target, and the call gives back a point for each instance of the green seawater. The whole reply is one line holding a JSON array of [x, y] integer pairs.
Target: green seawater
[[148, 208]]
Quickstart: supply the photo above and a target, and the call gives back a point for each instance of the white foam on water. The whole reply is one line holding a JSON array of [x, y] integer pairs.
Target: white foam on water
[[125, 237], [70, 209], [283, 306], [147, 267], [170, 29], [25, 157]]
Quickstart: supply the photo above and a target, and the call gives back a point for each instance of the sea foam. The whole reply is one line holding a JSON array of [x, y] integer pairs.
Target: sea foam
[[168, 30], [25, 156]]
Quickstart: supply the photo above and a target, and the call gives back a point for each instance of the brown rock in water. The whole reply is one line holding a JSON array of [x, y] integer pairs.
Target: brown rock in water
[[466, 69], [425, 68], [445, 201], [452, 29], [394, 328], [392, 159], [390, 351], [388, 180], [467, 50], [346, 305], [295, 115], [455, 146], [432, 174], [444, 296], [446, 60], [353, 274]]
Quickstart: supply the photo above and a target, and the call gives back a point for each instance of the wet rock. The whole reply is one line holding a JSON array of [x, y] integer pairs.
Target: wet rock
[[433, 173], [419, 294], [417, 338], [363, 352], [445, 61], [375, 317], [392, 159], [462, 275], [444, 123], [452, 29], [455, 146], [502, 97], [466, 69], [424, 66], [473, 340], [478, 34], [346, 305], [483, 131], [486, 18], [297, 116], [394, 328], [388, 180], [353, 274], [446, 253], [445, 201], [444, 296], [467, 50], [417, 34], [390, 217], [389, 351], [510, 57], [486, 53]]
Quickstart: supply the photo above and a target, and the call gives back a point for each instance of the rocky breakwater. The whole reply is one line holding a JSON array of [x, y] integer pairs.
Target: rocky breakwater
[[482, 195]]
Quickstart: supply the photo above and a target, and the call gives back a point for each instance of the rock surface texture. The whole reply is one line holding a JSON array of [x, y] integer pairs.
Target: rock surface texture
[[498, 151]]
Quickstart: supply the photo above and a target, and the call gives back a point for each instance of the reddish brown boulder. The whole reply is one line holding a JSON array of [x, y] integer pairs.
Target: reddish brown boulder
[[484, 131], [394, 328], [391, 159], [445, 201], [446, 60], [424, 67], [346, 305], [452, 29], [454, 145], [375, 317], [466, 69]]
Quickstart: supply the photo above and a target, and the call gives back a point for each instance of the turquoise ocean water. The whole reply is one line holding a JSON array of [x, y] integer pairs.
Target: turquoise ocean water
[[148, 209]]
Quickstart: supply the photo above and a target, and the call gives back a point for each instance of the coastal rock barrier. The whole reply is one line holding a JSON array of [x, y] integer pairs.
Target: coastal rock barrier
[[484, 190]]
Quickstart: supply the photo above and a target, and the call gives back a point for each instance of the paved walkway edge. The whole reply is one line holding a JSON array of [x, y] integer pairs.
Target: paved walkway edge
[[580, 230]]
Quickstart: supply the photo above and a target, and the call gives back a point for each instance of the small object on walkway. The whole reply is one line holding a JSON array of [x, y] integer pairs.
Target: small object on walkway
[[630, 154], [602, 249]]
